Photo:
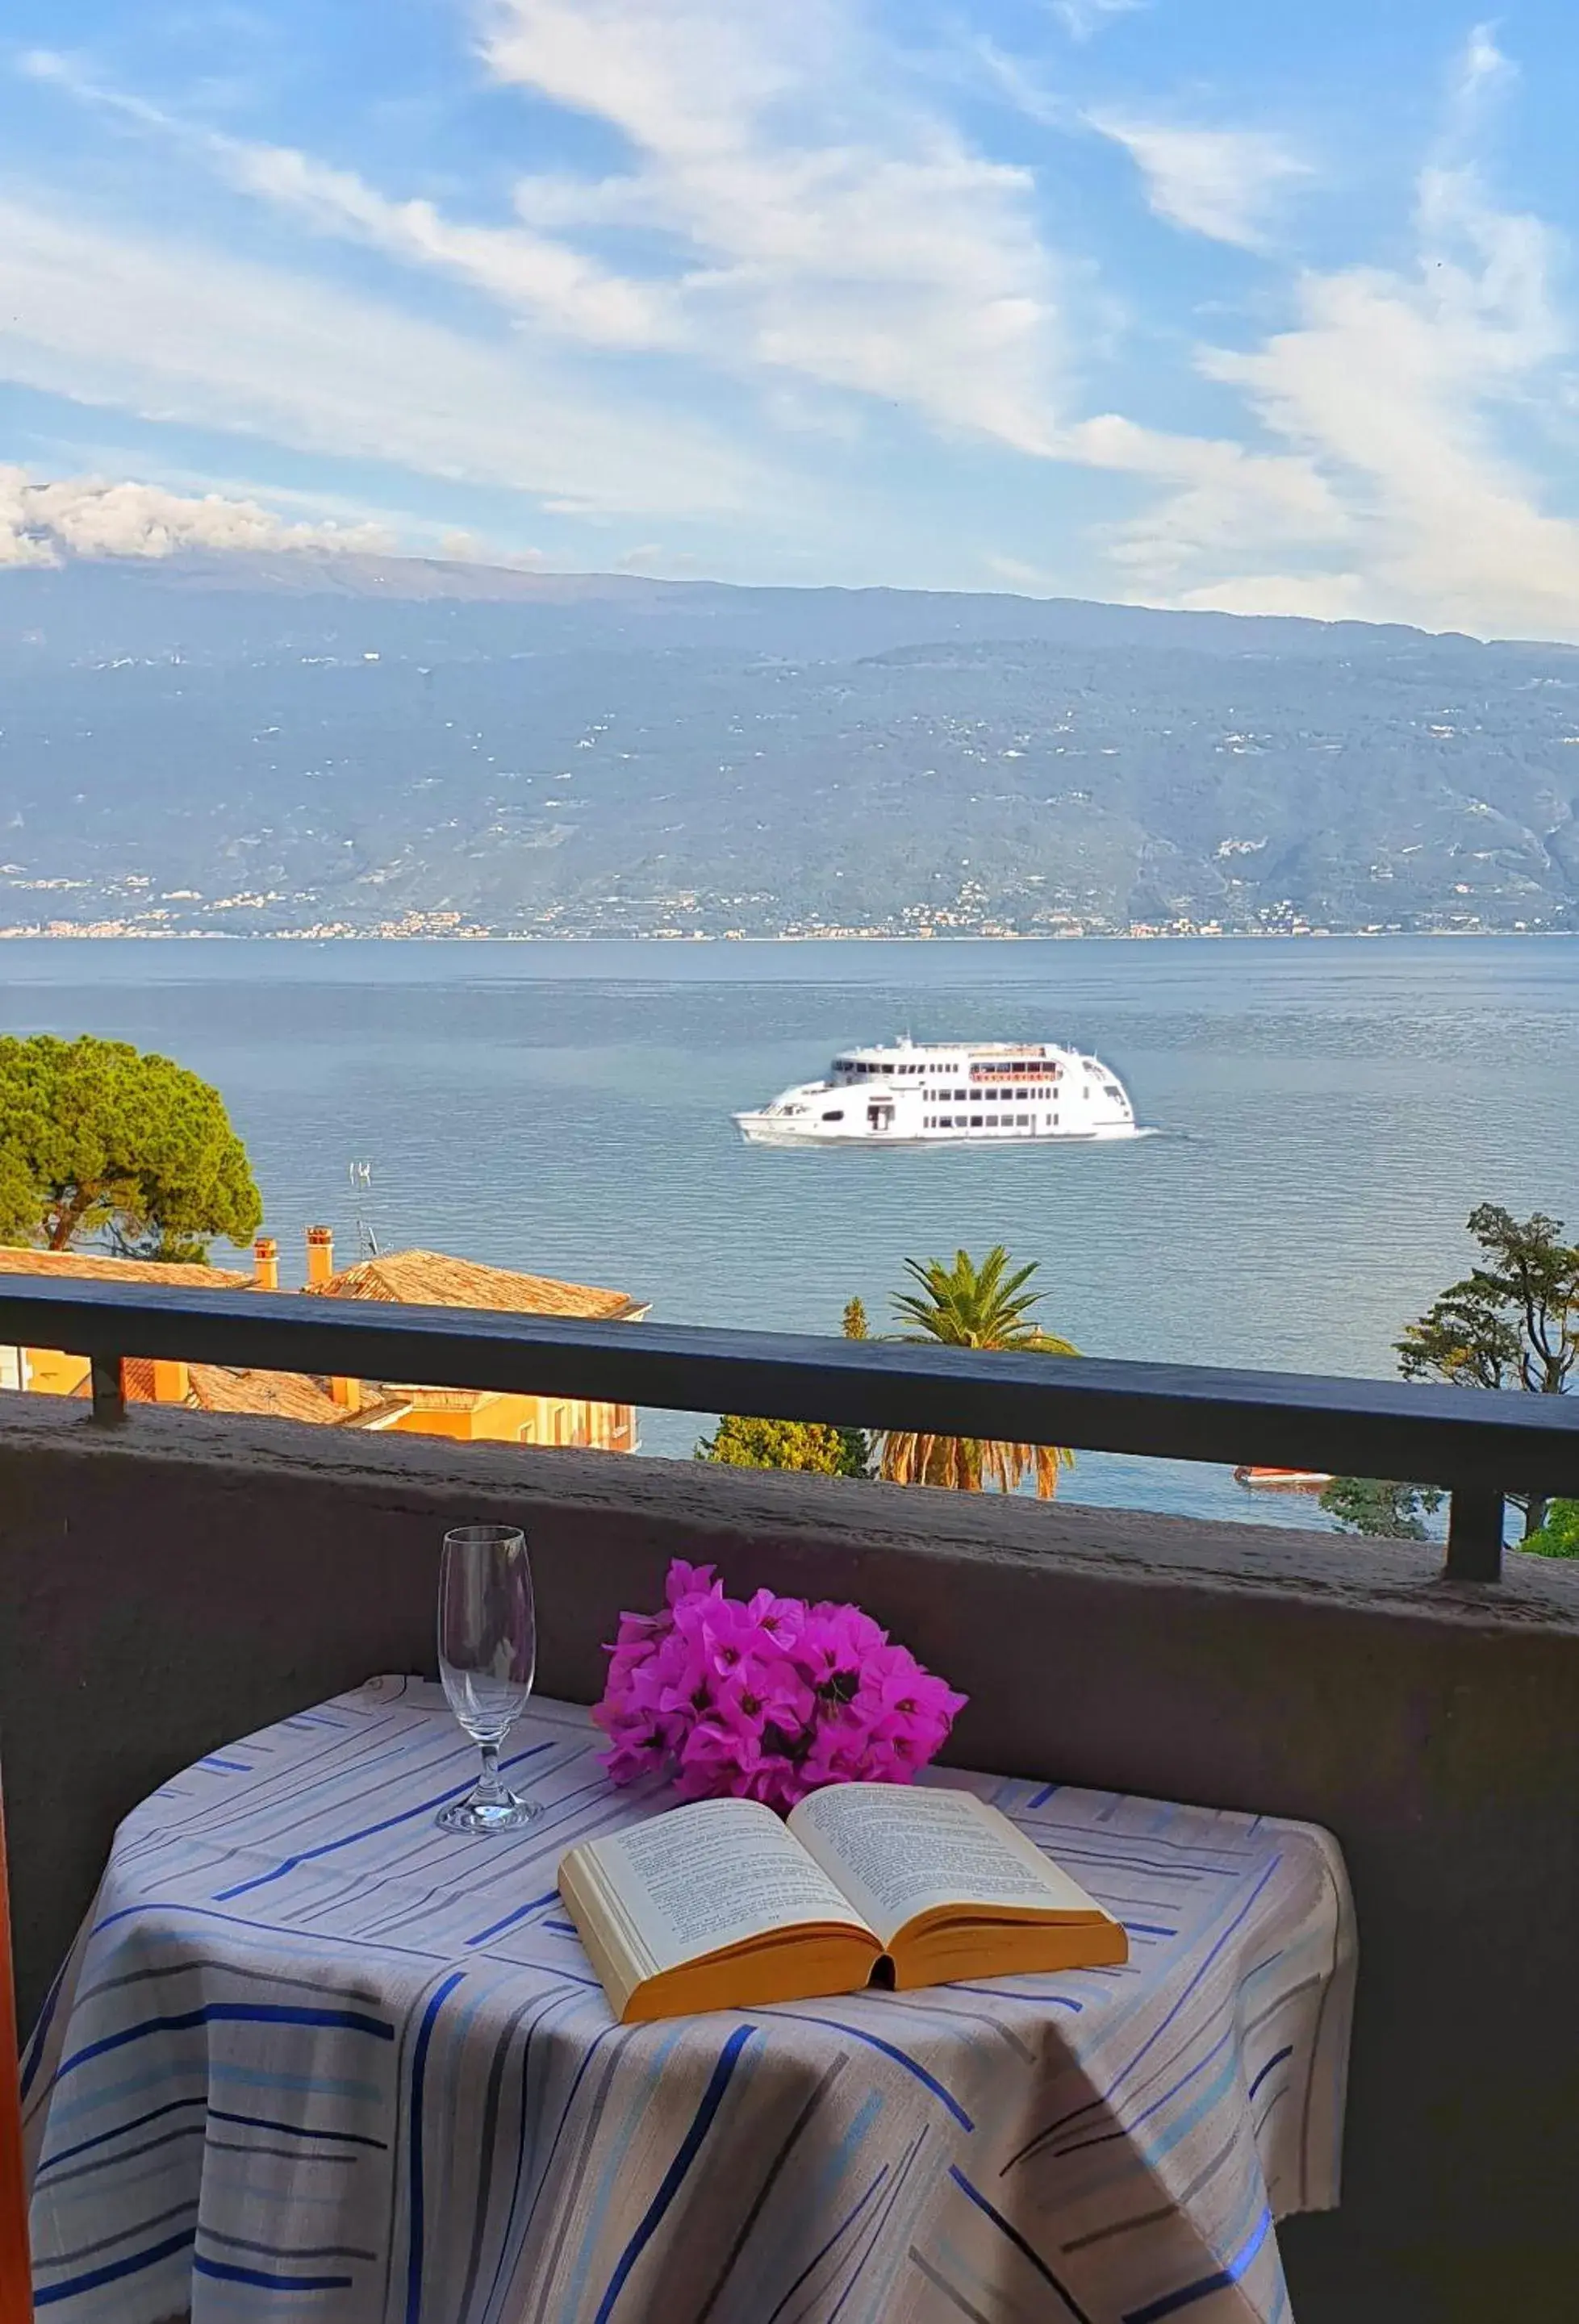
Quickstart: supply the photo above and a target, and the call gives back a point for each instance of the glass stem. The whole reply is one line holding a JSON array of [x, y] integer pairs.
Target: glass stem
[[490, 1783]]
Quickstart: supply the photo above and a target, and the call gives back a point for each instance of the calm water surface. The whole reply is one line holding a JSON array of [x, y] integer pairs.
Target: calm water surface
[[1331, 1111]]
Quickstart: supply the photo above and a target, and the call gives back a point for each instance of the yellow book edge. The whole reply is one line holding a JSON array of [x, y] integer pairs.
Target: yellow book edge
[[813, 1960]]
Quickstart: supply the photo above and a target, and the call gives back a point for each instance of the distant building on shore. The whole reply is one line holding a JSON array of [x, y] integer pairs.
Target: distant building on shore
[[403, 1278]]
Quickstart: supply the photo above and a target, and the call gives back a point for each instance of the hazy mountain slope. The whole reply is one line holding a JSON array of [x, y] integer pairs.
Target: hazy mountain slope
[[304, 741]]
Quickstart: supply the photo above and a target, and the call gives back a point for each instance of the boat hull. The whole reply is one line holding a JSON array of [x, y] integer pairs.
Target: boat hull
[[763, 1130]]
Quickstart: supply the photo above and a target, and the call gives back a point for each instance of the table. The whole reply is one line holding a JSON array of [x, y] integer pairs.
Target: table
[[311, 2057]]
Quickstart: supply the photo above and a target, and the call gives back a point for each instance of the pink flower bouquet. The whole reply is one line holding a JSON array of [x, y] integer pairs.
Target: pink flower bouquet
[[765, 1699]]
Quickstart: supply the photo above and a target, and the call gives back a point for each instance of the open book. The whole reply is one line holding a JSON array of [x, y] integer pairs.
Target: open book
[[720, 1905]]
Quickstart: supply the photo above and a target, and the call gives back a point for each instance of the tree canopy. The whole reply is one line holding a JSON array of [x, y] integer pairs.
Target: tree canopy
[[1512, 1322], [1559, 1536], [809, 1444], [100, 1139], [972, 1305], [1386, 1510]]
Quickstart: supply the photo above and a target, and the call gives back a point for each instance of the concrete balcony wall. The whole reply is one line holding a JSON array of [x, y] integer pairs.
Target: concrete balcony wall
[[178, 1581]]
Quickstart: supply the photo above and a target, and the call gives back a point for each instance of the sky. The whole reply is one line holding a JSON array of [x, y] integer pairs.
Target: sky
[[1186, 302]]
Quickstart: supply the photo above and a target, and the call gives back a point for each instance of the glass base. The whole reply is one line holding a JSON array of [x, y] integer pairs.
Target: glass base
[[499, 1811]]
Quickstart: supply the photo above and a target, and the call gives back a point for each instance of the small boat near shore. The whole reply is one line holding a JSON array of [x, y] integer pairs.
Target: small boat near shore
[[1285, 1481], [949, 1092]]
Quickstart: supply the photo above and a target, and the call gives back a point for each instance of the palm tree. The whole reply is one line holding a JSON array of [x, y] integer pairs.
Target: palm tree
[[969, 1306]]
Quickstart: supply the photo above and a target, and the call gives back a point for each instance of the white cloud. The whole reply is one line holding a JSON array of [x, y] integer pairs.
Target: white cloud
[[186, 336], [1480, 69], [1388, 404], [1018, 573], [527, 272], [1310, 596], [813, 225], [89, 516], [1082, 19], [825, 226], [1224, 183]]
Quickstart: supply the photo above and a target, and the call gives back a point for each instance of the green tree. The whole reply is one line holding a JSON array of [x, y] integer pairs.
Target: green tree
[[1512, 1322], [967, 1306], [99, 1140], [1559, 1536], [815, 1445], [1388, 1511]]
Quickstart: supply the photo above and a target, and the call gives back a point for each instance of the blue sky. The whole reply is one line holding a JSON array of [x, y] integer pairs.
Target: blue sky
[[1198, 302]]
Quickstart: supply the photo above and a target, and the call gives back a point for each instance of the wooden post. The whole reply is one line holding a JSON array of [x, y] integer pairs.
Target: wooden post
[[1474, 1535], [15, 2267], [106, 1381]]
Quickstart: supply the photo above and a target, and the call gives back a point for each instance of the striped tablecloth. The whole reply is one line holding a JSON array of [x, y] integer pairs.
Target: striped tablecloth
[[313, 2057]]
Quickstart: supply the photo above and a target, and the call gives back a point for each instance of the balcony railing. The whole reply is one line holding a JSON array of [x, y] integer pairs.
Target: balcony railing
[[1476, 1445]]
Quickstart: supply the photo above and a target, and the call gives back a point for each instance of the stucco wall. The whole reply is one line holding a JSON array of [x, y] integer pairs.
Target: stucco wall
[[178, 1581]]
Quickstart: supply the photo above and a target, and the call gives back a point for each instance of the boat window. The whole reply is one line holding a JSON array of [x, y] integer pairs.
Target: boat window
[[836, 1114], [975, 1122], [1113, 1089]]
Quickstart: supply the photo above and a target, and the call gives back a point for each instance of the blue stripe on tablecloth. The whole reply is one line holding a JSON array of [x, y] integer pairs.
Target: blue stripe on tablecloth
[[1127, 2129], [889, 2049], [370, 1831], [1276, 2059], [35, 2048], [600, 2166], [299, 2130], [225, 2271], [279, 1930], [521, 1913], [218, 2070], [673, 2178], [879, 2221], [1021, 2246], [114, 2270], [1157, 2031], [1204, 2286], [121, 2129], [232, 2013], [418, 2078], [847, 2222]]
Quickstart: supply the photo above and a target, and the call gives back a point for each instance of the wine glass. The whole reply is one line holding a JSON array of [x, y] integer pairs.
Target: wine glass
[[487, 1658]]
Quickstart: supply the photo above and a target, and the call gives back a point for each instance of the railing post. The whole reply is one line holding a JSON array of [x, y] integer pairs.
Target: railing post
[[108, 1386], [1474, 1535]]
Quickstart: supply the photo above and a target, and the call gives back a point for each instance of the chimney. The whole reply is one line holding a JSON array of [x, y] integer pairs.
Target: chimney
[[320, 1255], [172, 1382], [346, 1393], [266, 1263]]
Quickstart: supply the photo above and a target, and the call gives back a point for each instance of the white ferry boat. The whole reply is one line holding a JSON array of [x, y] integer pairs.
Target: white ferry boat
[[926, 1092]]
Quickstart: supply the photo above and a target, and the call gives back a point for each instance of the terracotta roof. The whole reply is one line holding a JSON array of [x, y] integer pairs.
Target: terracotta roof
[[215, 1388], [427, 1278], [98, 1266]]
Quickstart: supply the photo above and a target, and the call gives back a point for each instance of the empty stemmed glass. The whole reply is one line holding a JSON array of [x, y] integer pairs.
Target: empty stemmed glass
[[487, 1658]]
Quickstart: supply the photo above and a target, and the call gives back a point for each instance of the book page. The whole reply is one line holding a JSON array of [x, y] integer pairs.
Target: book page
[[698, 1878], [897, 1852]]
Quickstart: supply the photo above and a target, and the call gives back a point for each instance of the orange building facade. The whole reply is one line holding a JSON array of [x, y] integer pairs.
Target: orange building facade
[[405, 1278]]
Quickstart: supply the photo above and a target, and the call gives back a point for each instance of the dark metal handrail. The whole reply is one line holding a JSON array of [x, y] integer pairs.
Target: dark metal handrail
[[1479, 1446]]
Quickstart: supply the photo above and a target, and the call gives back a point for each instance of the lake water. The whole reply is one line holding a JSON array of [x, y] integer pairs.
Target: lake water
[[1331, 1112]]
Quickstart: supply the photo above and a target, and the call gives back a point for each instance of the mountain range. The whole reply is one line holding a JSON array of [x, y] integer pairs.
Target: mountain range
[[330, 743]]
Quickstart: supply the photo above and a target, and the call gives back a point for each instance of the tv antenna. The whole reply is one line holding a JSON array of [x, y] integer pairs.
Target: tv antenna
[[360, 1174]]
